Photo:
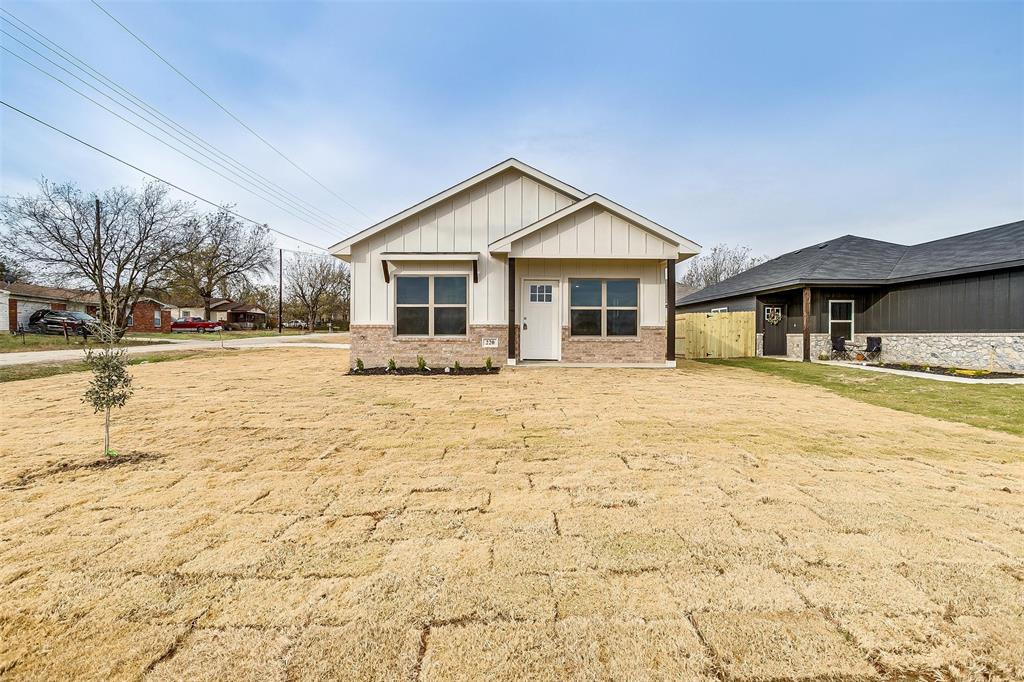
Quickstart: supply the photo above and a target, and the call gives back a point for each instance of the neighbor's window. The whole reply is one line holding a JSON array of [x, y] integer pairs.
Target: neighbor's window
[[603, 307], [156, 318], [840, 319], [431, 305], [131, 320]]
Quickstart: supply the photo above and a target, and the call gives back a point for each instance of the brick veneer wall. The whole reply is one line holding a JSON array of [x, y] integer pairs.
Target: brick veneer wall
[[648, 347], [376, 344], [142, 316]]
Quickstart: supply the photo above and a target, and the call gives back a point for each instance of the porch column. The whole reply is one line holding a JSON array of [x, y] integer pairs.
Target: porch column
[[670, 309], [807, 324], [512, 311]]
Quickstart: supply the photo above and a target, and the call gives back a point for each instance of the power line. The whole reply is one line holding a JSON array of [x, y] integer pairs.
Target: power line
[[164, 142], [166, 131], [228, 112], [156, 177], [83, 66]]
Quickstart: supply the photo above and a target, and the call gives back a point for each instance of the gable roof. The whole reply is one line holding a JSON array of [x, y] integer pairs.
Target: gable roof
[[344, 247], [857, 260], [503, 244]]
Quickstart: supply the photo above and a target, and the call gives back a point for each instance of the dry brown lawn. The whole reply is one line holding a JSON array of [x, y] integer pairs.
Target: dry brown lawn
[[282, 521]]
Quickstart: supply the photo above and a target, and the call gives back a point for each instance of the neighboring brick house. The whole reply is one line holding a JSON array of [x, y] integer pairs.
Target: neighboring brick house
[[18, 300], [514, 263], [150, 315]]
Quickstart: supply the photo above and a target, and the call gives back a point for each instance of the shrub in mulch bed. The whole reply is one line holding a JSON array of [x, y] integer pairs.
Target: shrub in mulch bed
[[951, 371], [415, 371]]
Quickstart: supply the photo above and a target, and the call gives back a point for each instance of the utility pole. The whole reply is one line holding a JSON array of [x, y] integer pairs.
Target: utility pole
[[280, 291], [99, 264]]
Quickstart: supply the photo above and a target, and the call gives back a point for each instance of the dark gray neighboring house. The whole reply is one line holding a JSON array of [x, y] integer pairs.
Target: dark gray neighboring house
[[957, 301]]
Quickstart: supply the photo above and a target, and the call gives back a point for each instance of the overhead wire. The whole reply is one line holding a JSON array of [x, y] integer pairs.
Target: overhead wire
[[163, 141], [41, 39], [228, 111], [157, 177]]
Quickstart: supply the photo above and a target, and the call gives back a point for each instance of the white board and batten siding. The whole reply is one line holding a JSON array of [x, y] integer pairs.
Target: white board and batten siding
[[468, 221], [593, 233], [591, 242]]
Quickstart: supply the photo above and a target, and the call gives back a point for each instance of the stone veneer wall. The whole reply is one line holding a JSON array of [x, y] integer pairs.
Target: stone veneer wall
[[991, 351], [648, 347], [759, 344], [376, 344]]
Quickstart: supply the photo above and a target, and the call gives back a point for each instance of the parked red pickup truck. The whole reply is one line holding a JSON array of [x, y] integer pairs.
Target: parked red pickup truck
[[195, 324]]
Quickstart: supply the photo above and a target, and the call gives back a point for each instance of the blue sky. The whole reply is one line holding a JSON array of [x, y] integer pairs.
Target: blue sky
[[770, 125]]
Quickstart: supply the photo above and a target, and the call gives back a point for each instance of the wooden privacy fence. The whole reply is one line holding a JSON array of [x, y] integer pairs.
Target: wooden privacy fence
[[715, 335]]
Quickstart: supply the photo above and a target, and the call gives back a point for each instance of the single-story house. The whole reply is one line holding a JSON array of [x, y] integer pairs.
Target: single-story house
[[150, 315], [234, 313], [18, 300], [957, 301], [513, 264]]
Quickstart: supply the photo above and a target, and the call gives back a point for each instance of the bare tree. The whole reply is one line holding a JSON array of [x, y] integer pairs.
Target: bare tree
[[721, 262], [11, 269], [139, 233], [317, 283], [222, 249]]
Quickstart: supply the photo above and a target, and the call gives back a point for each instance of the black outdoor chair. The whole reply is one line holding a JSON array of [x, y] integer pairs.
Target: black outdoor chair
[[873, 349], [839, 349]]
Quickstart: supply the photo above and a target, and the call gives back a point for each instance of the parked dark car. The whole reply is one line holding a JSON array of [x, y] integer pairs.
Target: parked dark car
[[55, 322], [195, 324]]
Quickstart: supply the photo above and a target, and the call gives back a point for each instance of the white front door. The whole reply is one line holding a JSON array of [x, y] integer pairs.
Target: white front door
[[540, 331]]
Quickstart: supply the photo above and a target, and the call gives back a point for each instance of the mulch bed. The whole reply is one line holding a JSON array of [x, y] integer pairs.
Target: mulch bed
[[951, 372], [413, 371]]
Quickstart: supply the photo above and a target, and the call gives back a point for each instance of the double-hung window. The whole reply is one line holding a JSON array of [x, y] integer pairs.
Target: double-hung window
[[431, 305], [156, 318], [840, 319], [604, 307]]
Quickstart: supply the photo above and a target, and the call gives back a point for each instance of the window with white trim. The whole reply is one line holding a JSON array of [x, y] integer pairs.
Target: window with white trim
[[604, 307], [431, 305], [720, 310], [840, 319], [130, 322], [156, 318]]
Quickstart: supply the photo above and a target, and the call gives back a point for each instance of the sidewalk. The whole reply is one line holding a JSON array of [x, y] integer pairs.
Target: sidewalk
[[29, 357]]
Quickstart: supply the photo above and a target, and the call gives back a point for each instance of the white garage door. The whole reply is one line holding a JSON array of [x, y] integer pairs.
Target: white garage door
[[26, 308]]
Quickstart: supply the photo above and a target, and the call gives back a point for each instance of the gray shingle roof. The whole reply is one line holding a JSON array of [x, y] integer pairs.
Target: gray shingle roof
[[856, 259]]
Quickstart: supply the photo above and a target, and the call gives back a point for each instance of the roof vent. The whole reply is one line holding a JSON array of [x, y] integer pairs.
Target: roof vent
[[822, 246]]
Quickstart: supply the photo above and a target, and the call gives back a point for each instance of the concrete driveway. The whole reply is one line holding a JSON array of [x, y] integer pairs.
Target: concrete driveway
[[311, 341]]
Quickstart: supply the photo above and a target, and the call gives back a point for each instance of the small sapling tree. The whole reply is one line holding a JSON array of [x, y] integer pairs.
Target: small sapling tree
[[111, 384]]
